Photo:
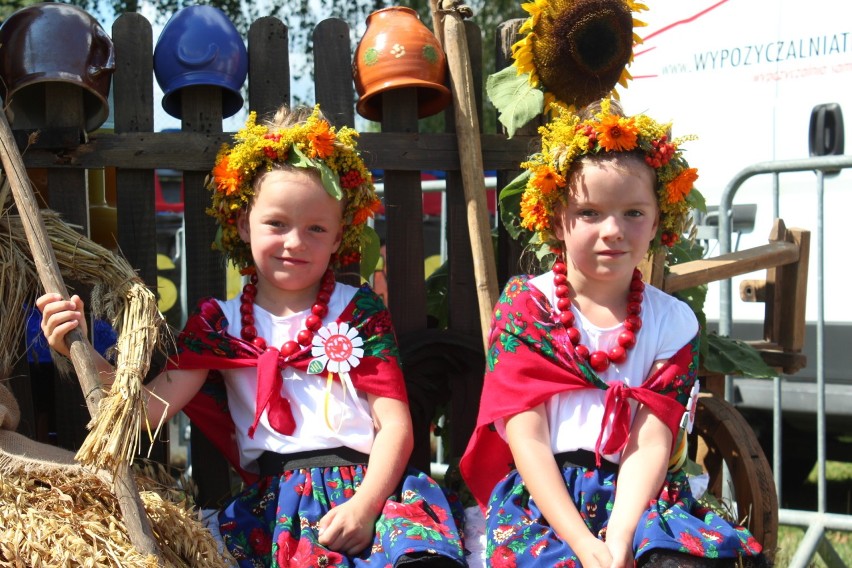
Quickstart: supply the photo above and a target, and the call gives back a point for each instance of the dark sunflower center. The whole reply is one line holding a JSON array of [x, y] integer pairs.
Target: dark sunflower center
[[583, 47], [595, 46]]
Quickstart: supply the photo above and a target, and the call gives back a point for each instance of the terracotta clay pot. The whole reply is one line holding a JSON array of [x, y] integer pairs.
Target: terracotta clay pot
[[398, 51]]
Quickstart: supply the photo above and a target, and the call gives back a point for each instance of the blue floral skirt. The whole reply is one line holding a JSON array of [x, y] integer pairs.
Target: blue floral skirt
[[518, 535], [273, 523]]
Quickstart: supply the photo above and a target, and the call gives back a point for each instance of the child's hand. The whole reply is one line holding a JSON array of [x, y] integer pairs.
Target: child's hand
[[594, 553], [59, 317], [347, 528], [622, 552]]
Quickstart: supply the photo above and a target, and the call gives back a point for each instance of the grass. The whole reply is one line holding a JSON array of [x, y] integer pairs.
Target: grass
[[838, 500]]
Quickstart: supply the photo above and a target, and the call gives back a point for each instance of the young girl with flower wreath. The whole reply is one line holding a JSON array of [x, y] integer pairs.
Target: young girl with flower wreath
[[297, 380], [577, 453]]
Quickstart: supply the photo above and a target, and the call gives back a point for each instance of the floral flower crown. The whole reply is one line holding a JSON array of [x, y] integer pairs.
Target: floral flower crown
[[529, 202], [573, 53], [312, 143]]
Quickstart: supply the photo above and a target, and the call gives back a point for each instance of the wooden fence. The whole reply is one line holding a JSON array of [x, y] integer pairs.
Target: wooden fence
[[443, 367]]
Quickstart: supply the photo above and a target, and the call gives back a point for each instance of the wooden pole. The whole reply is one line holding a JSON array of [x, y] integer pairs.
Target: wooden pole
[[454, 41], [124, 484]]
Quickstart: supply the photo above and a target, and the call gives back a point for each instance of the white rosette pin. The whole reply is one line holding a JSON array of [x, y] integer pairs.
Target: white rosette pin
[[337, 349]]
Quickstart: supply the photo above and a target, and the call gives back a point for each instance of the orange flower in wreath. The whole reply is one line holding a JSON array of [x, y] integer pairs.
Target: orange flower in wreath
[[679, 187], [547, 179], [322, 140], [534, 214], [616, 133], [227, 180], [366, 212]]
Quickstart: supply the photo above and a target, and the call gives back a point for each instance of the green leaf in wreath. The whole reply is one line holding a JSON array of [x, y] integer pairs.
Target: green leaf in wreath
[[512, 95], [696, 200], [510, 204], [371, 252], [330, 180]]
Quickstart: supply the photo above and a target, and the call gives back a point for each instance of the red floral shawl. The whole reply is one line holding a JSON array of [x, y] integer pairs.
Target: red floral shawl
[[205, 343], [530, 359]]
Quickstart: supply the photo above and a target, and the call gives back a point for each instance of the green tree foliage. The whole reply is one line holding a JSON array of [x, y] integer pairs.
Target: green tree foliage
[[7, 7]]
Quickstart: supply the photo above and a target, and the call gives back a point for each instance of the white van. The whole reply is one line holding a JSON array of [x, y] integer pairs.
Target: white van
[[744, 76]]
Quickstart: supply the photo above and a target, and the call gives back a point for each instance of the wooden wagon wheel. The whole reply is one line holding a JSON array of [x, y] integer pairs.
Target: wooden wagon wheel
[[721, 434]]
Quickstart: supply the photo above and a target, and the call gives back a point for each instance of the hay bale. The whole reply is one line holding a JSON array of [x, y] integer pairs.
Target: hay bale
[[57, 512]]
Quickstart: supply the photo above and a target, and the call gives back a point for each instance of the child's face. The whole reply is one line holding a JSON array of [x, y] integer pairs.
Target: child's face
[[610, 219], [293, 227]]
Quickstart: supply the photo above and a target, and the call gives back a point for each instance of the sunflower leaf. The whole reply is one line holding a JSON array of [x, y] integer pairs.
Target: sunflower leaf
[[512, 95]]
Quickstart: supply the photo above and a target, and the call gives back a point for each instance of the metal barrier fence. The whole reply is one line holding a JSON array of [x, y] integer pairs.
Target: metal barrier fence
[[814, 541]]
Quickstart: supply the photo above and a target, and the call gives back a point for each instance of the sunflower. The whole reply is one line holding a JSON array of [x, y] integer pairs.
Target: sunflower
[[572, 52], [581, 48]]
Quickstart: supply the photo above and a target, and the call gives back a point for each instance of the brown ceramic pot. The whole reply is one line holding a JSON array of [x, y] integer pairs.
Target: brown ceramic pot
[[398, 51], [49, 43]]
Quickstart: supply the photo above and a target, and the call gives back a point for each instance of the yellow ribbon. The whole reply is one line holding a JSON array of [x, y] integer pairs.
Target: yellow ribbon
[[329, 382]]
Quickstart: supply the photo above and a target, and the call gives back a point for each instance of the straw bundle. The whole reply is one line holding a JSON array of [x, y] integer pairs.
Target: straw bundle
[[55, 512], [119, 295], [17, 275]]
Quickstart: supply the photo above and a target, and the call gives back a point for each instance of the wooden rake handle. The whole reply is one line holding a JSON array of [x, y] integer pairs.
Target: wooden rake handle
[[453, 37], [124, 484]]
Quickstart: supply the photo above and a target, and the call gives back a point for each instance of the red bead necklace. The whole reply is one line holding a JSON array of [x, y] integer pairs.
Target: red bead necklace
[[599, 360], [312, 323]]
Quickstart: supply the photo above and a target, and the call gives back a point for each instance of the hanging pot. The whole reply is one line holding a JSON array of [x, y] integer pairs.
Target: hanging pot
[[398, 51], [54, 43], [200, 45]]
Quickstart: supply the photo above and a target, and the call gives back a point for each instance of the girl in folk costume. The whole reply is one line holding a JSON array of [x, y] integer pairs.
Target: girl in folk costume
[[297, 379], [576, 457]]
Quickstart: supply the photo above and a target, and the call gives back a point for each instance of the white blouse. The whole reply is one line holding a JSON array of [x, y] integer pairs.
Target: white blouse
[[575, 417], [349, 420]]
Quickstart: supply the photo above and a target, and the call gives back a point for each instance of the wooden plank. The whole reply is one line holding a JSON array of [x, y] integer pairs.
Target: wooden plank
[[405, 151], [790, 362], [773, 289], [753, 290], [67, 187], [334, 91], [201, 108], [133, 93], [333, 86], [653, 268], [792, 335], [693, 273], [269, 66], [404, 210]]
